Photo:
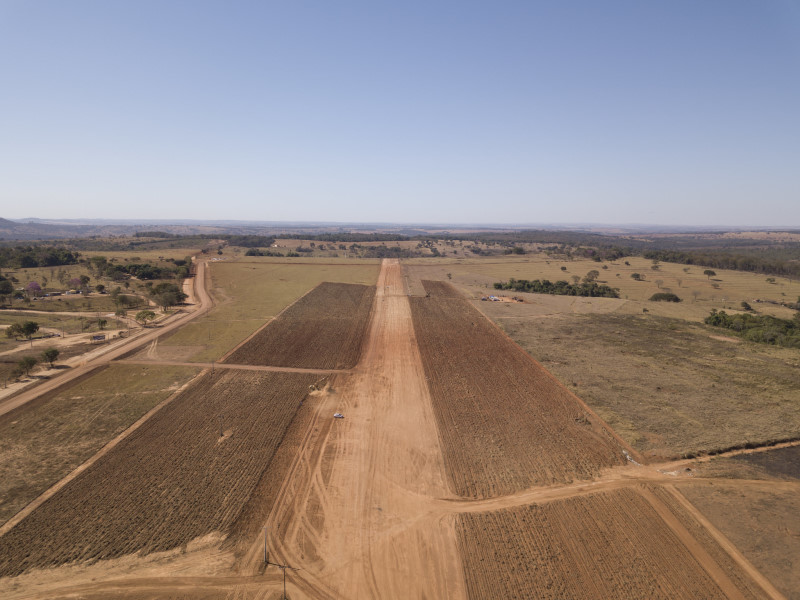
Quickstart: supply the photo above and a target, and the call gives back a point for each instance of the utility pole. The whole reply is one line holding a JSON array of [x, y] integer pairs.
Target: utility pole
[[266, 559]]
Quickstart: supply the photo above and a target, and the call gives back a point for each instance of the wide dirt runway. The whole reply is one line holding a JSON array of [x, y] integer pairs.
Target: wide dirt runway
[[356, 514]]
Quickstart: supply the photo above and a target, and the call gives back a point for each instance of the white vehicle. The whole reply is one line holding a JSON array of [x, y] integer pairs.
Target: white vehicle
[[338, 416]]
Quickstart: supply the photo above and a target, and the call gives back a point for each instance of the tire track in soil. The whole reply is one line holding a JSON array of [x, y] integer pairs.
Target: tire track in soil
[[370, 475]]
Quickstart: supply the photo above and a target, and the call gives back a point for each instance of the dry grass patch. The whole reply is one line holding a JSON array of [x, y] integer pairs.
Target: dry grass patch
[[667, 386], [250, 292], [475, 276], [41, 442]]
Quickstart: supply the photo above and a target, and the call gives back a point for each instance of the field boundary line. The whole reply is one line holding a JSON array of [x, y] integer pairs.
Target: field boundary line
[[634, 453], [725, 543], [55, 488], [234, 366], [225, 356]]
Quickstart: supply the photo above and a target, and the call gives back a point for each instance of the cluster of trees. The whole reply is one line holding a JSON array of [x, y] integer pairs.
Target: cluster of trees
[[27, 363], [388, 252], [24, 329], [259, 252], [665, 297], [6, 289], [759, 328], [167, 294], [101, 267], [560, 288], [348, 237], [754, 261], [31, 257]]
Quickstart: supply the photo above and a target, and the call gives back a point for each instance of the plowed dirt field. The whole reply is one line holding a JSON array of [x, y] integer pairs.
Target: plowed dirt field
[[606, 545], [173, 480], [505, 422], [322, 330]]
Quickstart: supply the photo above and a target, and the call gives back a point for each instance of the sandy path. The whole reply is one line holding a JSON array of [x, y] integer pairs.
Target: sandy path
[[354, 513]]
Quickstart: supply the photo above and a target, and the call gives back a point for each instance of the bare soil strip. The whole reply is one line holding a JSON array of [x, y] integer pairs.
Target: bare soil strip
[[354, 512], [322, 330], [506, 424], [172, 480], [216, 365]]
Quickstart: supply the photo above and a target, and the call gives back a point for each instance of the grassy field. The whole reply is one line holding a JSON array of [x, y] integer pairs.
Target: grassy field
[[667, 383], [77, 303], [250, 291], [69, 324], [726, 290], [8, 362], [668, 386], [45, 440]]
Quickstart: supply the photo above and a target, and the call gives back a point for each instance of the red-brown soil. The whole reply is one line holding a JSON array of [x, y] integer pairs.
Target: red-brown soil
[[322, 330], [173, 480], [505, 422], [606, 545]]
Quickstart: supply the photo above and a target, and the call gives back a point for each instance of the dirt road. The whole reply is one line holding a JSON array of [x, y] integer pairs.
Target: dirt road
[[354, 514], [108, 353]]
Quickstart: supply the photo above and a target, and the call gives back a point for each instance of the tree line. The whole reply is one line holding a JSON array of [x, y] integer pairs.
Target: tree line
[[590, 289], [31, 257], [765, 329]]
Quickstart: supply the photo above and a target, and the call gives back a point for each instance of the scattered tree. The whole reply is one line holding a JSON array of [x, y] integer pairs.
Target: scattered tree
[[29, 328], [27, 363], [14, 330], [101, 323], [591, 276], [709, 273], [6, 289], [143, 316], [34, 289], [51, 355]]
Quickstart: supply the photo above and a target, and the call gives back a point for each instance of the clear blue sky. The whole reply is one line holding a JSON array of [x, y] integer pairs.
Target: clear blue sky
[[679, 112]]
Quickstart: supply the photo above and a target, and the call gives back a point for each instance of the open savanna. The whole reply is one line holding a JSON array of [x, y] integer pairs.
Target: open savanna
[[42, 441], [79, 303], [250, 291], [475, 276], [669, 387]]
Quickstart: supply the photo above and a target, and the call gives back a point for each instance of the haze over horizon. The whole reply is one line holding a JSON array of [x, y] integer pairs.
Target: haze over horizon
[[616, 113]]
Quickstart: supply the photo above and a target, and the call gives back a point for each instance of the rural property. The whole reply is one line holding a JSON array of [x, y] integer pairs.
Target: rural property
[[470, 456]]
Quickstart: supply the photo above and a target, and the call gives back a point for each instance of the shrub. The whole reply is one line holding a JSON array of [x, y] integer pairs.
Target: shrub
[[664, 297]]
